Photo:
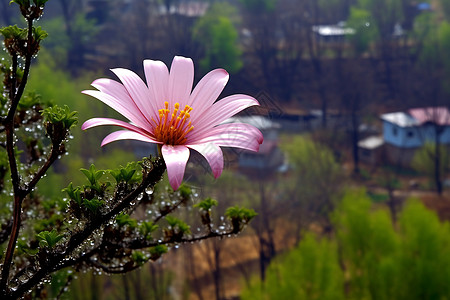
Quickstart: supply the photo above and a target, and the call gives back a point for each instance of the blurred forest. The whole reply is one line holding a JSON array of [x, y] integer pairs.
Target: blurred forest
[[329, 225]]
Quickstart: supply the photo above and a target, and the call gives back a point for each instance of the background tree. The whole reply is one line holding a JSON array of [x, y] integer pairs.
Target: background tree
[[313, 165], [218, 37], [380, 260]]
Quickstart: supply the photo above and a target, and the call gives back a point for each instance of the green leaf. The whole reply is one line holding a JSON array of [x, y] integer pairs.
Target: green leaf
[[139, 257], [39, 34], [13, 32], [146, 228], [177, 225], [126, 174], [92, 174], [236, 212], [21, 3], [74, 193], [124, 219], [93, 205], [206, 204], [60, 115], [157, 251], [49, 238], [185, 191]]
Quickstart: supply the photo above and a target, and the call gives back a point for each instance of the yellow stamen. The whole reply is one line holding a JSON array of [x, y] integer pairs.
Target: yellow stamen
[[171, 128]]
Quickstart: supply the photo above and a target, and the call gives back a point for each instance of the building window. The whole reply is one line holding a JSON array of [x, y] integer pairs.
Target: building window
[[394, 131], [410, 133]]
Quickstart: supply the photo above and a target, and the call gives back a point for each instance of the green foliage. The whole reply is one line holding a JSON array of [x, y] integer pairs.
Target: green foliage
[[424, 159], [185, 191], [313, 165], [15, 39], [93, 205], [217, 33], [368, 243], [366, 32], [177, 228], [93, 175], [206, 204], [433, 56], [310, 271], [385, 13], [146, 228], [240, 213], [239, 217], [126, 174], [39, 34], [49, 238], [63, 115], [24, 248], [124, 219], [139, 258], [157, 251], [381, 261], [74, 193], [423, 254], [444, 38], [29, 100]]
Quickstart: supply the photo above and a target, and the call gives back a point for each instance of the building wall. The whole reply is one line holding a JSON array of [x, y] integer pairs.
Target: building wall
[[405, 137], [412, 137], [399, 156]]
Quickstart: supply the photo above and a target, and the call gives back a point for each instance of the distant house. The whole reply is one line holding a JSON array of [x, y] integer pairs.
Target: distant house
[[371, 149], [405, 132], [333, 33], [269, 157]]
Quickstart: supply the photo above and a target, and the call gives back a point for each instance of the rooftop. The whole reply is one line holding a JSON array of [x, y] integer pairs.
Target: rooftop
[[437, 115], [401, 119], [371, 142]]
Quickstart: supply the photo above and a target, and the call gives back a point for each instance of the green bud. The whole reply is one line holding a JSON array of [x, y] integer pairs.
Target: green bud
[[49, 238]]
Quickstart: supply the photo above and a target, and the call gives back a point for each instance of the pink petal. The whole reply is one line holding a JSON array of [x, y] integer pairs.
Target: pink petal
[[122, 106], [181, 79], [176, 158], [107, 121], [213, 155], [127, 135], [236, 135], [220, 111], [157, 76], [138, 91], [207, 91]]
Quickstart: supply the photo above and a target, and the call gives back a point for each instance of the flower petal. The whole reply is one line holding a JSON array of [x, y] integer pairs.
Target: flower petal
[[213, 155], [176, 158], [207, 91], [138, 91], [127, 135], [157, 76], [122, 106], [181, 79], [238, 135], [107, 121], [219, 112]]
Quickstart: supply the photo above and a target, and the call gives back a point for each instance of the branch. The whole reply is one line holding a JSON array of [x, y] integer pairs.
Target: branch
[[9, 127], [56, 151], [56, 261]]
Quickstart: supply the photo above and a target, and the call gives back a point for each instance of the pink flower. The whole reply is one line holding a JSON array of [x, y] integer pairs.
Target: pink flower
[[166, 111]]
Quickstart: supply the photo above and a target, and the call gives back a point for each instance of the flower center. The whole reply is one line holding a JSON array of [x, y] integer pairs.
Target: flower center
[[171, 129]]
